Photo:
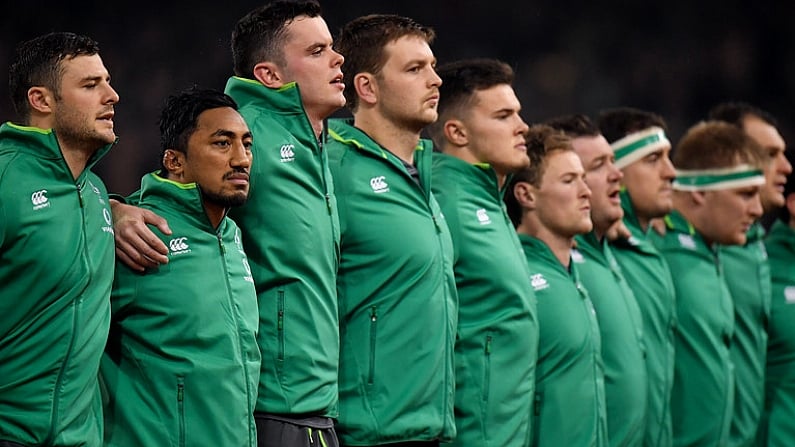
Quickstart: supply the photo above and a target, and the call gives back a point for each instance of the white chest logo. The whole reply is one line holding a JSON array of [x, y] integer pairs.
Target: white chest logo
[[287, 153], [483, 218], [538, 282], [379, 184], [179, 246], [687, 241], [39, 199]]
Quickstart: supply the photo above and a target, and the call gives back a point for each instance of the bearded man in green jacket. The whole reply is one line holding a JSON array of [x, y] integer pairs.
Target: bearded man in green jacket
[[396, 286], [186, 331], [482, 141], [56, 243], [287, 82]]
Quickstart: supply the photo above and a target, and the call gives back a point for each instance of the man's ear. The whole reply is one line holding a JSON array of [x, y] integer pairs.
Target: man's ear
[[525, 195], [699, 197], [174, 162], [366, 88], [455, 132], [269, 74], [41, 99]]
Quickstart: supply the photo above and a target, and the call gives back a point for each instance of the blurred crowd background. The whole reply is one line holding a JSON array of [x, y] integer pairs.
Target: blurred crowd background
[[676, 58]]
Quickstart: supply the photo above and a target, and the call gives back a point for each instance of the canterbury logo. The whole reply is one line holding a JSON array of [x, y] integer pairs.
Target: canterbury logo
[[179, 245], [287, 152], [39, 199], [379, 184], [483, 217]]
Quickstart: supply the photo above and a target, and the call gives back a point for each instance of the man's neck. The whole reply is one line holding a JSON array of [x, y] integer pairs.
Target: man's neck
[[463, 153], [316, 121], [76, 157], [397, 139], [559, 245]]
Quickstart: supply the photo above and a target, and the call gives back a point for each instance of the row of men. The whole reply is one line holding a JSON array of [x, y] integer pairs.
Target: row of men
[[396, 300]]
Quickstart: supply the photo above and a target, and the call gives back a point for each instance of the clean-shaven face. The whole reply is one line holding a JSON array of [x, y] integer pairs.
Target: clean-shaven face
[[312, 63], [776, 172], [648, 182], [495, 131], [562, 198]]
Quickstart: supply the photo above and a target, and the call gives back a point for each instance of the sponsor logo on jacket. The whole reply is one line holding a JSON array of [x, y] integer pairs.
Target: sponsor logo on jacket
[[538, 282], [483, 217], [379, 184], [39, 199], [287, 152], [108, 228], [178, 246]]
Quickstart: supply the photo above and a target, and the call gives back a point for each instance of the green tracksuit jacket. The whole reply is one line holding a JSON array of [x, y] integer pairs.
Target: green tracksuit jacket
[[777, 428], [649, 277], [703, 392], [56, 271], [397, 297], [291, 234], [623, 350], [182, 364], [569, 404], [497, 327], [747, 274]]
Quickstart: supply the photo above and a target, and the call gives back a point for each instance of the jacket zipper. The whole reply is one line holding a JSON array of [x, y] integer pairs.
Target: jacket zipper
[[373, 334]]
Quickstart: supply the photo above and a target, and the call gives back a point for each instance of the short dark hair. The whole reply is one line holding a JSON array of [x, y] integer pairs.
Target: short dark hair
[[362, 40], [619, 122], [734, 112], [715, 145], [542, 141], [574, 126], [260, 35], [180, 116], [37, 62], [460, 81]]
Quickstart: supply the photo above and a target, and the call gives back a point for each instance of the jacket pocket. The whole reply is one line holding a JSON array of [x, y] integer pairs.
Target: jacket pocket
[[373, 336], [487, 368], [181, 409], [280, 324]]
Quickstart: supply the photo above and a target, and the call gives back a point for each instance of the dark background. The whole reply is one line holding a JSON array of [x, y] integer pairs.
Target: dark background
[[676, 58]]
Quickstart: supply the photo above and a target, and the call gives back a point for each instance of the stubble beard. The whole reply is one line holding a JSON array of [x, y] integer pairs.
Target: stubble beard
[[229, 200]]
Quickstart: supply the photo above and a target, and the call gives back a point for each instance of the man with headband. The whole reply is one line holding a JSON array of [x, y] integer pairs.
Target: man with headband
[[716, 200], [748, 273], [642, 153]]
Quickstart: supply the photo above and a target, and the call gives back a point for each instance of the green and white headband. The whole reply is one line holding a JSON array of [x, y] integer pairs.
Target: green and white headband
[[715, 179], [637, 145]]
